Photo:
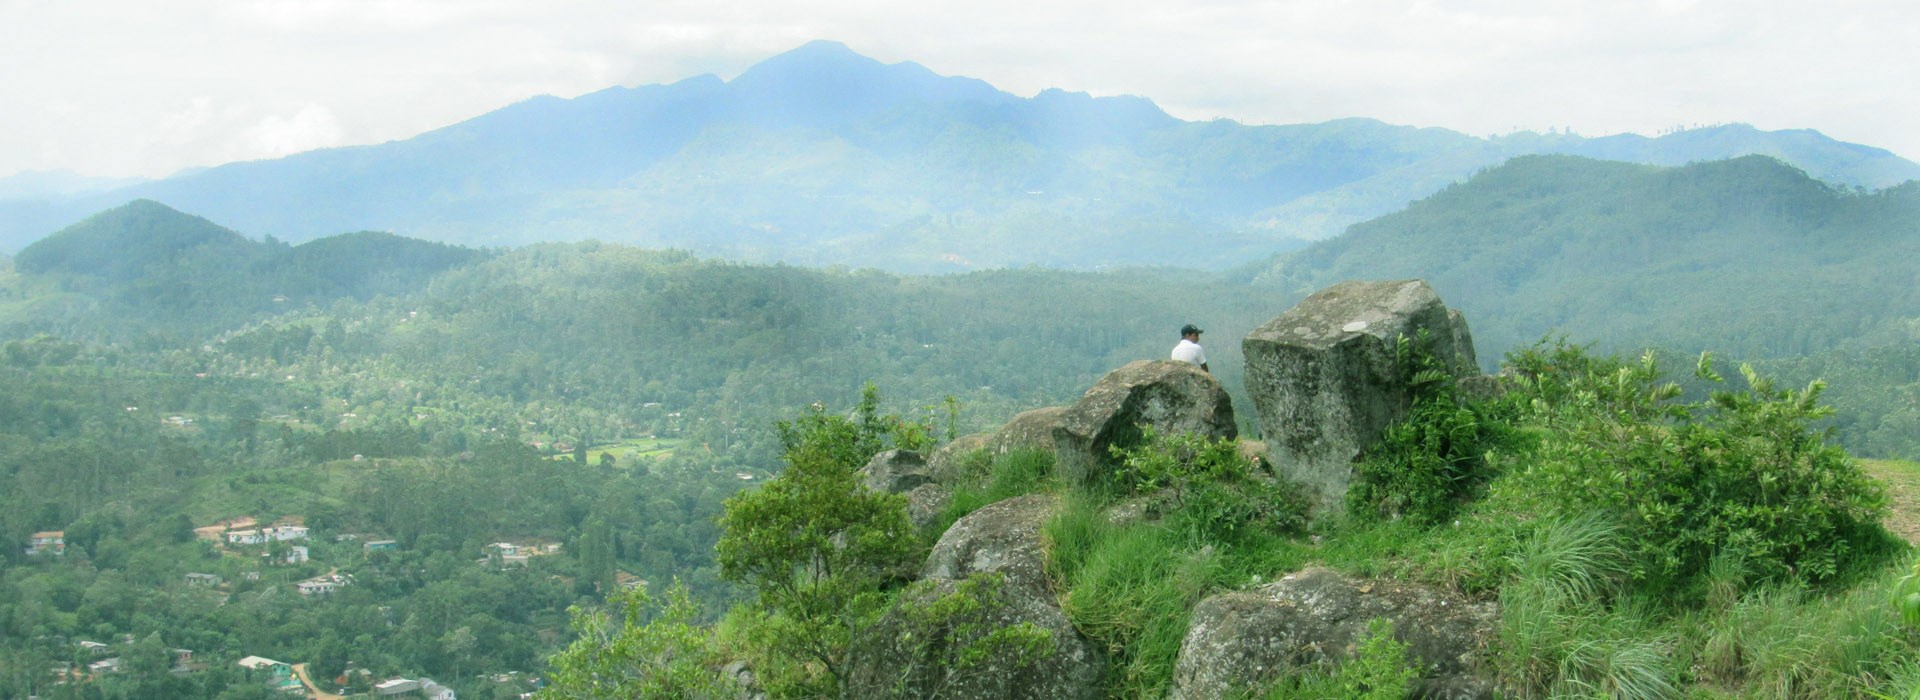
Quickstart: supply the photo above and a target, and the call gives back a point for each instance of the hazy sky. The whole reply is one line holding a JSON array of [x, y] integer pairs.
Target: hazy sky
[[116, 87]]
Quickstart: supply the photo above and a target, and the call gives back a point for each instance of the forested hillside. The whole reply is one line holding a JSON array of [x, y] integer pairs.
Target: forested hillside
[[1748, 257], [143, 271], [598, 398]]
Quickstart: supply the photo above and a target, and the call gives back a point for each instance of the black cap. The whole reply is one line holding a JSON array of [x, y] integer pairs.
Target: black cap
[[1190, 329]]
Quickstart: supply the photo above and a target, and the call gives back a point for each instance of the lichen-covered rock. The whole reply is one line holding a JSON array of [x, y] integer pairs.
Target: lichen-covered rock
[[1323, 380], [1173, 397], [896, 471], [925, 503], [949, 462], [1242, 641], [906, 656], [1030, 429], [747, 687], [1003, 537]]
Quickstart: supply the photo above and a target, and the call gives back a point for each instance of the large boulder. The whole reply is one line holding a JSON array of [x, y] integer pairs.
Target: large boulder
[[910, 652], [1032, 430], [951, 461], [928, 646], [1028, 430], [1003, 537], [1245, 640], [1323, 380], [1173, 397], [896, 471]]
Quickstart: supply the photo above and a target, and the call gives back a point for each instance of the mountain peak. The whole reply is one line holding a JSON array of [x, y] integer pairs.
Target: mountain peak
[[120, 242], [825, 82], [811, 61]]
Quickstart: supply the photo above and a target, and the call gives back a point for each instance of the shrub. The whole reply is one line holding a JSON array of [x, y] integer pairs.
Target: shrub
[[640, 647], [1743, 471], [1426, 466], [1204, 489]]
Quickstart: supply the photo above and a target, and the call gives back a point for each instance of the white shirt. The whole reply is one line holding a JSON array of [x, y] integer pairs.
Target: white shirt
[[1190, 352]]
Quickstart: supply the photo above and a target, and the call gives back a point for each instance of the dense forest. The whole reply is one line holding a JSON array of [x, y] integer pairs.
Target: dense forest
[[161, 374]]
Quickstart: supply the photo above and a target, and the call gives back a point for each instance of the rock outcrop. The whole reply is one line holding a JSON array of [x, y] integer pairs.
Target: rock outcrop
[[1003, 537], [1028, 430], [896, 471], [1323, 379], [1244, 640], [900, 658], [1173, 397]]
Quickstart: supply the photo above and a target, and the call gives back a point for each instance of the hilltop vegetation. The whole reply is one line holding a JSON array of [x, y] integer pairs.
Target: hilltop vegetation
[[1638, 546]]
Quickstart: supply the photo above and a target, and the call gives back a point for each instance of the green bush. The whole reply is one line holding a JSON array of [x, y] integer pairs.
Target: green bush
[[639, 647], [1204, 490], [1426, 466], [1742, 471]]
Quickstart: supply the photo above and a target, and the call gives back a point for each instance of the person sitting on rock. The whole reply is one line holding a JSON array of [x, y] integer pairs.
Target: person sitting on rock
[[1189, 350]]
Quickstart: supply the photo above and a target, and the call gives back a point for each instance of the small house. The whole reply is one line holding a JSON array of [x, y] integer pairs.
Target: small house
[[50, 542], [395, 686], [321, 585]]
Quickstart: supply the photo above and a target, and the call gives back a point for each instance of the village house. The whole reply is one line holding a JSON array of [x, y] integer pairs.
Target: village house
[[294, 555], [321, 585], [628, 581], [203, 580], [395, 686], [517, 554], [51, 541], [427, 688], [105, 666], [507, 554], [276, 533], [276, 673], [380, 545], [183, 662]]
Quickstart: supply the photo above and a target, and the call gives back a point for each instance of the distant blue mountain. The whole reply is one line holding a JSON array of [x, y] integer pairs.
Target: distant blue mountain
[[823, 156]]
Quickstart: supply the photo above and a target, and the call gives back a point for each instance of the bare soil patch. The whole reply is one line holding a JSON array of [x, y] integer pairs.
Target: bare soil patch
[[1903, 495]]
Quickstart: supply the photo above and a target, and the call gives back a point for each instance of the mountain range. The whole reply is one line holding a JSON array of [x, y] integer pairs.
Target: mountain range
[[823, 156], [1748, 257]]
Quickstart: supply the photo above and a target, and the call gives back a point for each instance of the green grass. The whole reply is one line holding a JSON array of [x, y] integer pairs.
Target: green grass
[[627, 452], [1132, 587], [983, 483]]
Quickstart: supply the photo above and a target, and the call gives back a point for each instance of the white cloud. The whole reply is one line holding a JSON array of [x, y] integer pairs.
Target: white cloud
[[121, 87], [309, 128]]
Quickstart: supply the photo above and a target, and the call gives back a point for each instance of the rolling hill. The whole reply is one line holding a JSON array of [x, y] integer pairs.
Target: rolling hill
[[1748, 256]]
